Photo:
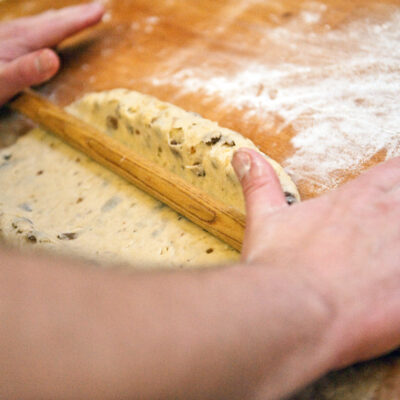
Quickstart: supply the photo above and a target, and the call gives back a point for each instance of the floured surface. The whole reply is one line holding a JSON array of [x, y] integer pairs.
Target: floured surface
[[340, 96], [55, 198], [312, 83]]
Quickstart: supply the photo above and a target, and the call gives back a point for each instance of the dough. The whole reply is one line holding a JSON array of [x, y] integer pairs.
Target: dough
[[54, 197], [197, 149]]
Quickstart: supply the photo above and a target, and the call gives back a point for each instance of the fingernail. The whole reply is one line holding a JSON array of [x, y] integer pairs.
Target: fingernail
[[258, 167], [96, 7], [44, 62], [241, 163]]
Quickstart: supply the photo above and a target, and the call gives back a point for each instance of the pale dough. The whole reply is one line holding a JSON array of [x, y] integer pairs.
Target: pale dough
[[195, 148], [55, 198]]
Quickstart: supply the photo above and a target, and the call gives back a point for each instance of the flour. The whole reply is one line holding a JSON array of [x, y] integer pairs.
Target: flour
[[342, 99]]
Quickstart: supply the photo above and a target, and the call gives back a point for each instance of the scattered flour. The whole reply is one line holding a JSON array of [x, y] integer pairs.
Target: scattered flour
[[342, 96], [152, 20], [107, 17]]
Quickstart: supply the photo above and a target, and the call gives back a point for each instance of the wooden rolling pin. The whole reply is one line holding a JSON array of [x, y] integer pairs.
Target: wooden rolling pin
[[222, 221]]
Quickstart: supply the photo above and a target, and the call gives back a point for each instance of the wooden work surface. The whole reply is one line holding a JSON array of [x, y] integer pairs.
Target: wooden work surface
[[315, 84]]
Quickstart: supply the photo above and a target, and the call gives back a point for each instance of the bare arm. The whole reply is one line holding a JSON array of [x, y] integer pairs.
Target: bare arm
[[76, 333]]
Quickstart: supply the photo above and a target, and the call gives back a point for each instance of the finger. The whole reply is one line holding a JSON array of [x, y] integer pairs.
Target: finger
[[261, 187], [50, 28], [25, 71]]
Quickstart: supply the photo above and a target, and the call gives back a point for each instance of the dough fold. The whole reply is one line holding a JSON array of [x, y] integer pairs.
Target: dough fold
[[195, 148]]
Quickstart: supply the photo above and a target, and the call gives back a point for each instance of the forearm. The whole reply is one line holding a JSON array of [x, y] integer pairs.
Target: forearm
[[85, 333]]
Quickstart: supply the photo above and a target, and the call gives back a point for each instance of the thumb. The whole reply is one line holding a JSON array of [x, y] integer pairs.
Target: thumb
[[27, 70], [261, 187], [262, 193]]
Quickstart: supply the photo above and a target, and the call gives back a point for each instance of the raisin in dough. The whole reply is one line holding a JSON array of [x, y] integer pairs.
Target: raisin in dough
[[53, 197]]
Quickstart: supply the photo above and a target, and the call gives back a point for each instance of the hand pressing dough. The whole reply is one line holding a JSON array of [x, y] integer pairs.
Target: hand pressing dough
[[54, 197]]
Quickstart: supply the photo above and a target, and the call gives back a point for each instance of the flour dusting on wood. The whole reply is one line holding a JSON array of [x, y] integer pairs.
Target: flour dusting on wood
[[342, 99]]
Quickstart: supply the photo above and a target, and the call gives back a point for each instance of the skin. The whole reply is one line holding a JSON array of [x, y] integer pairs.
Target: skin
[[26, 57], [347, 240], [317, 289]]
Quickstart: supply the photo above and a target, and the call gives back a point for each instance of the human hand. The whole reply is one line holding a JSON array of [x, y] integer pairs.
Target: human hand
[[345, 244], [25, 57]]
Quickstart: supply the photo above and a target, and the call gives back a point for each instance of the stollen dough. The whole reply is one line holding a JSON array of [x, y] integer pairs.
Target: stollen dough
[[195, 148], [54, 197]]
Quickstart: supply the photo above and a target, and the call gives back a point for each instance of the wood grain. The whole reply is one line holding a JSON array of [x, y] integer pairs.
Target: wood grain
[[222, 221]]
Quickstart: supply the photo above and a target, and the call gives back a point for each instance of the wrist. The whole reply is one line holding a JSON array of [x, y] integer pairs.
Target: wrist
[[297, 331]]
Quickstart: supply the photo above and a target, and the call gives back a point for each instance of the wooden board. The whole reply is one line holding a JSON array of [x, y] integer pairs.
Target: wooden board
[[315, 84]]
